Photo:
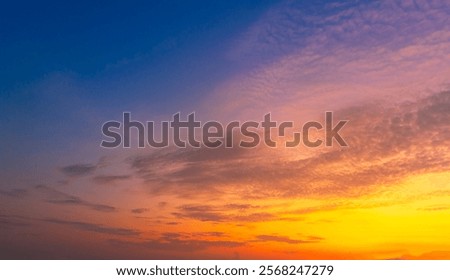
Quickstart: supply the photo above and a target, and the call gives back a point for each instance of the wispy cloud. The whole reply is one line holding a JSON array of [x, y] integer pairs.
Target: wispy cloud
[[110, 179], [368, 162], [309, 57], [170, 243], [94, 227], [12, 221], [139, 210], [283, 239], [57, 197], [77, 170], [14, 193], [209, 213], [436, 208]]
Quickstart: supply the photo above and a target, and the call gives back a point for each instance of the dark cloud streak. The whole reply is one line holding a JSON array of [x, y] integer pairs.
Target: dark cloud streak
[[57, 197], [78, 170]]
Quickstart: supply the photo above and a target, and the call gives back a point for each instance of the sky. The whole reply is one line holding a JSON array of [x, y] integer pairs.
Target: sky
[[68, 67]]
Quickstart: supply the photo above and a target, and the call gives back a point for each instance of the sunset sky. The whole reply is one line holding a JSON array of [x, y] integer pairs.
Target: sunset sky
[[67, 67]]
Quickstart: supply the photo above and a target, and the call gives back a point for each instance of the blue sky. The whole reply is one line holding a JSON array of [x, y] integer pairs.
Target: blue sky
[[93, 40], [59, 60]]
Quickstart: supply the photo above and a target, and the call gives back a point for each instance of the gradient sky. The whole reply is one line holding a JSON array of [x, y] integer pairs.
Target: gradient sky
[[68, 67]]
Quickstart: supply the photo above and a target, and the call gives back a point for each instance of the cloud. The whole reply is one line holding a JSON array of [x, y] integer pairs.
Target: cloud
[[207, 213], [387, 143], [139, 210], [110, 179], [382, 66], [167, 170], [283, 239], [306, 57], [94, 227], [12, 221], [240, 206], [432, 255], [298, 24], [20, 221], [162, 204], [202, 213], [435, 208], [173, 243], [77, 170], [209, 234], [14, 193], [57, 197]]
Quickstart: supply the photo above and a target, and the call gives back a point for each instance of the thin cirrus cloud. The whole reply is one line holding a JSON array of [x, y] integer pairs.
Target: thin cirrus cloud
[[359, 52]]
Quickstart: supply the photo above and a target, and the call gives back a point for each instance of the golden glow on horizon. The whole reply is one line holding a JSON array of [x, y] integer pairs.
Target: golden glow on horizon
[[405, 221]]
